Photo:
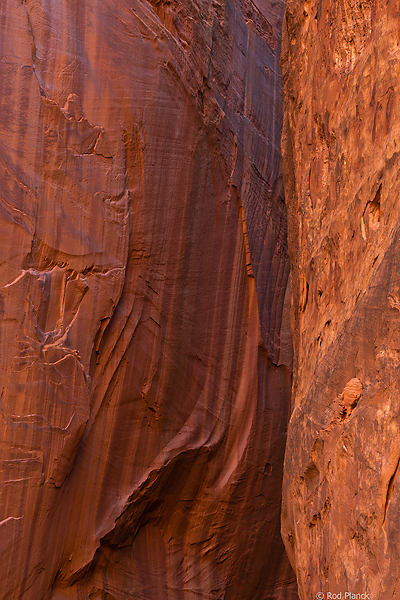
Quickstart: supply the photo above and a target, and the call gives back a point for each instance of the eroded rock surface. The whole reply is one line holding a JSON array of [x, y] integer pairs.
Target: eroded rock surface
[[341, 166], [145, 353]]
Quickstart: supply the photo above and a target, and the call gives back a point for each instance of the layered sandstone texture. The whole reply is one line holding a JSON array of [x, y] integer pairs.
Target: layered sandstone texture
[[341, 510], [145, 353]]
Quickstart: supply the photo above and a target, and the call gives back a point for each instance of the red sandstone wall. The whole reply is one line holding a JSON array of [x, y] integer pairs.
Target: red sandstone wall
[[145, 351], [341, 499]]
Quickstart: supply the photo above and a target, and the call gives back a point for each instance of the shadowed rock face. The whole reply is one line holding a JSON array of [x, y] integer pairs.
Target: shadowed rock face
[[341, 165], [145, 349]]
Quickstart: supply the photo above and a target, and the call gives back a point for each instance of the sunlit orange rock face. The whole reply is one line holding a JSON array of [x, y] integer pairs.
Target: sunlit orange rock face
[[145, 349], [340, 143]]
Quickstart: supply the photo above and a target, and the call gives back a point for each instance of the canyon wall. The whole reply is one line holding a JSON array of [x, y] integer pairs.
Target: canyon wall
[[341, 500], [145, 351]]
